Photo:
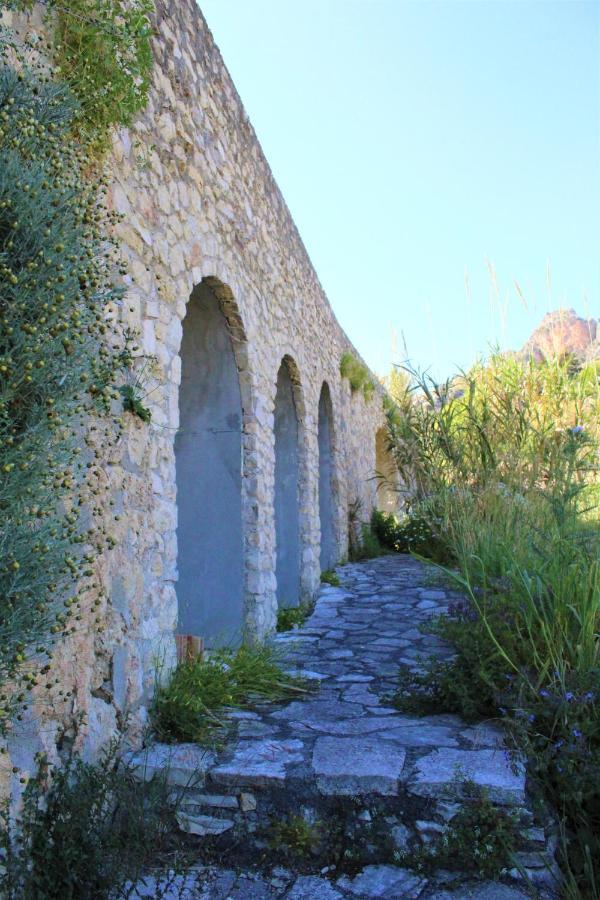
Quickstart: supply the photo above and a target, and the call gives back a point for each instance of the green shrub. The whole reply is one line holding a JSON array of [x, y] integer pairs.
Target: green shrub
[[103, 51], [58, 364], [357, 375], [330, 577], [289, 617], [479, 840], [188, 706], [411, 534], [294, 837], [85, 831], [468, 685], [133, 403], [368, 546]]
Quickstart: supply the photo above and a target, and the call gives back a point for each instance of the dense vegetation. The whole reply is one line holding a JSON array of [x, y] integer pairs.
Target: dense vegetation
[[83, 829], [357, 375], [501, 466], [59, 356], [89, 832], [102, 52]]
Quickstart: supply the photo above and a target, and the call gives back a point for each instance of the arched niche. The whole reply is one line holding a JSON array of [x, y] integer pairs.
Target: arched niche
[[328, 553], [208, 453], [287, 489], [386, 473]]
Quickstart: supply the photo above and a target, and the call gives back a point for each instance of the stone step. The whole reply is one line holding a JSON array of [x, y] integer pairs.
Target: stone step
[[378, 797]]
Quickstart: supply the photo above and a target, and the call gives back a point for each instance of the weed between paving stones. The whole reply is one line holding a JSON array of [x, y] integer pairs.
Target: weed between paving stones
[[192, 705]]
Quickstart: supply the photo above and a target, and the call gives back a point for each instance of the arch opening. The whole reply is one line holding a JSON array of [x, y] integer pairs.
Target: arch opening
[[287, 507], [208, 456], [327, 558], [386, 473]]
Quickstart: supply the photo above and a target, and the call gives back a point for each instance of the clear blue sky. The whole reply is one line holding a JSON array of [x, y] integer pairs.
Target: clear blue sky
[[413, 141]]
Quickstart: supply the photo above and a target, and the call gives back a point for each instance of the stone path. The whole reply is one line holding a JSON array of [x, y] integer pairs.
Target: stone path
[[368, 781]]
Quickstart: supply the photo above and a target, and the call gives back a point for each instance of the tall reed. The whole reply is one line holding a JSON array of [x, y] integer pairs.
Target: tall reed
[[503, 462]]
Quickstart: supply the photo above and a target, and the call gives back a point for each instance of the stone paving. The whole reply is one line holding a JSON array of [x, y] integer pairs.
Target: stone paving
[[345, 753]]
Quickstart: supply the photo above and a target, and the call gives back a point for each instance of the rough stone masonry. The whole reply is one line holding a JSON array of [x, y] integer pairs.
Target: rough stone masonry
[[236, 495]]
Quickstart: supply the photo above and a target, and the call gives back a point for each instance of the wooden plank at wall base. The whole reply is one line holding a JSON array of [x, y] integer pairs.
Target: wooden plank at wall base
[[189, 647]]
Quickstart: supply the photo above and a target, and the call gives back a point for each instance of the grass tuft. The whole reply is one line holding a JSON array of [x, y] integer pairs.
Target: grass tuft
[[192, 705], [330, 577]]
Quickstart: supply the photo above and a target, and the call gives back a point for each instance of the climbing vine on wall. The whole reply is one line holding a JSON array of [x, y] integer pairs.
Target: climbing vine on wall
[[102, 50], [60, 352]]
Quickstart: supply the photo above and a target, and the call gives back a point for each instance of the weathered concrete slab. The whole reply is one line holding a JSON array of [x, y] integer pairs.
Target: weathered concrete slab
[[261, 763], [349, 766], [309, 887], [420, 735], [203, 825], [318, 711], [385, 881], [440, 773], [181, 764]]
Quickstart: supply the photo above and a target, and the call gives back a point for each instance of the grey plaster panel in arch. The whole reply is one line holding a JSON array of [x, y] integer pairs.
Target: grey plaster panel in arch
[[287, 527], [208, 449], [327, 557]]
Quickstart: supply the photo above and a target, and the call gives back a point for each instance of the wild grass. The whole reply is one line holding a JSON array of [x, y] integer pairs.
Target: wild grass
[[329, 576], [89, 832], [192, 705], [503, 464], [480, 840], [289, 617], [357, 374]]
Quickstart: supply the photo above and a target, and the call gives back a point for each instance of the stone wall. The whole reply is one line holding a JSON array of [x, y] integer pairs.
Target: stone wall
[[200, 208]]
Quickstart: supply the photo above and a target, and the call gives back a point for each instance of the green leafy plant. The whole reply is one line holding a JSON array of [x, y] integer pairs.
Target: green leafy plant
[[289, 617], [357, 374], [102, 49], [330, 577], [58, 365], [294, 836], [86, 831], [133, 402], [190, 706], [413, 533], [362, 540], [467, 685], [480, 839]]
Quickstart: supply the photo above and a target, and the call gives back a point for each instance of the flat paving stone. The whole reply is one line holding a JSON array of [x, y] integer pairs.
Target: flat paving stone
[[310, 887], [260, 763], [421, 735], [385, 881], [184, 764], [440, 773], [355, 676], [349, 766]]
